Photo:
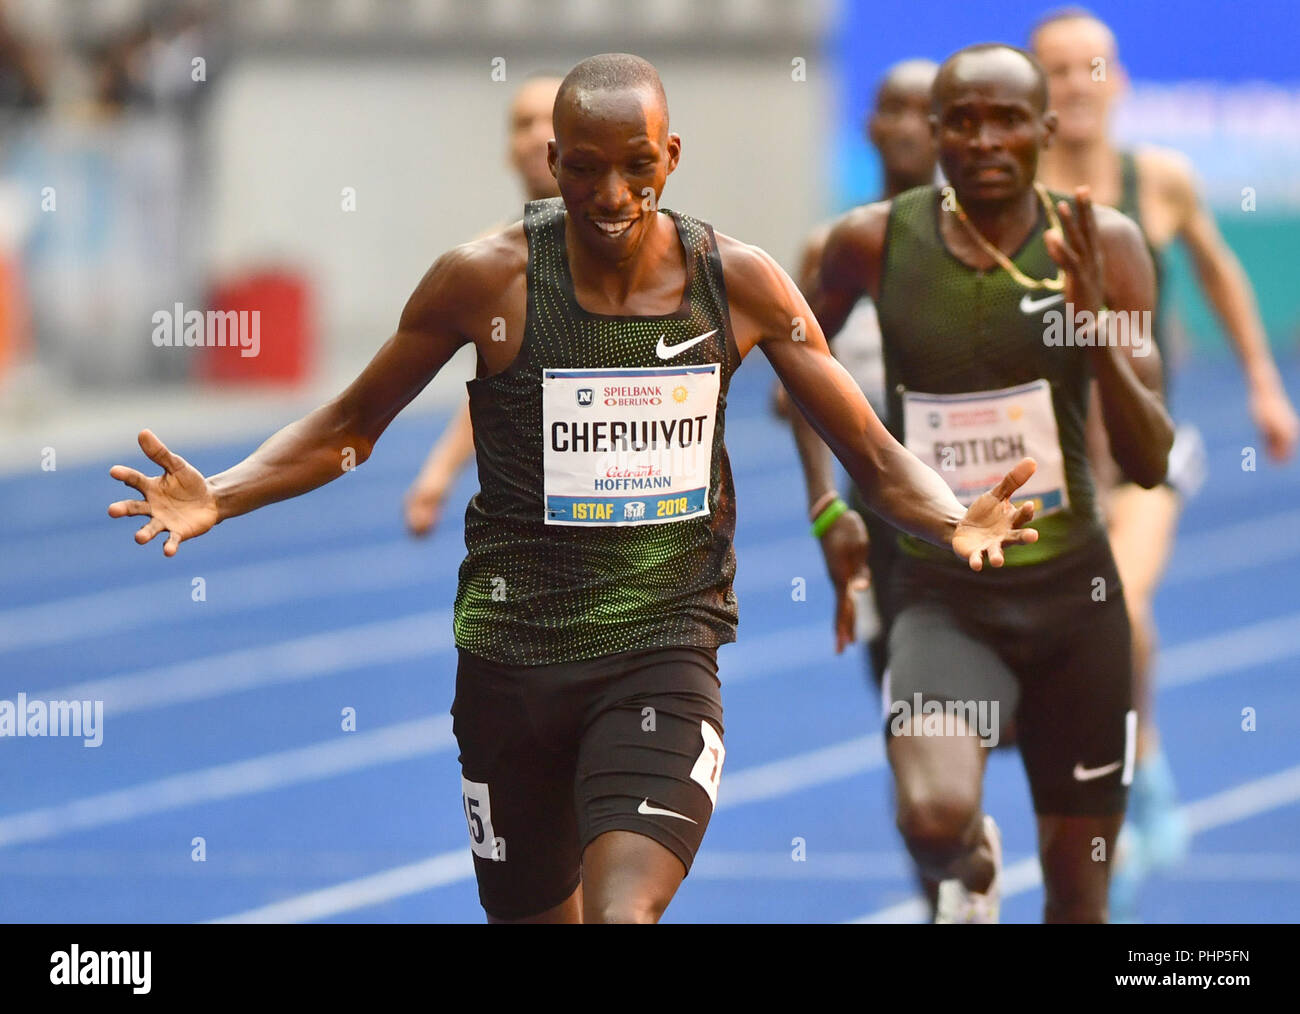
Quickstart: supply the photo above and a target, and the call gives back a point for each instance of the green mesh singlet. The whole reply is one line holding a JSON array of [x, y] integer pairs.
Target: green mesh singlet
[[532, 593], [949, 329]]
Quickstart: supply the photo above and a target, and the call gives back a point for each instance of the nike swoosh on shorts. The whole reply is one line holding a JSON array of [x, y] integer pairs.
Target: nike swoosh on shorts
[[1082, 774], [654, 811]]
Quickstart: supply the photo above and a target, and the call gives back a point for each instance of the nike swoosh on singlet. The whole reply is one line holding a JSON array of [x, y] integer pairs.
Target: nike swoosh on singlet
[[1082, 774], [654, 811], [668, 351], [1028, 305]]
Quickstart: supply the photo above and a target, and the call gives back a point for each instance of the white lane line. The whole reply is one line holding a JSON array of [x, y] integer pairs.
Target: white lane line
[[1229, 651], [348, 752], [831, 763], [375, 889], [855, 866], [1227, 807], [1217, 867], [386, 642], [1225, 548], [233, 589]]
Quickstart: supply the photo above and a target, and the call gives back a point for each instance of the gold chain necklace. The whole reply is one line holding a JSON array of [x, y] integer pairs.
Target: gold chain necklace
[[1054, 284]]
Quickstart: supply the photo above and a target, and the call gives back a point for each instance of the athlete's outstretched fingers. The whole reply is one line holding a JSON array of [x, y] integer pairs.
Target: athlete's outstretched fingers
[[846, 609], [173, 543], [1024, 514], [1015, 478], [129, 508], [157, 452], [995, 554], [977, 560], [1074, 235], [129, 476], [1087, 219], [845, 617], [1060, 251], [148, 531], [1020, 537]]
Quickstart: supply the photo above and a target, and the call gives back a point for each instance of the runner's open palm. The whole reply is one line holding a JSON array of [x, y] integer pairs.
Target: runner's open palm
[[993, 521], [179, 501]]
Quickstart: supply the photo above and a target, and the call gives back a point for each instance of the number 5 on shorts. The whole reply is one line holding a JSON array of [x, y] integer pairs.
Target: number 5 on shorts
[[477, 803]]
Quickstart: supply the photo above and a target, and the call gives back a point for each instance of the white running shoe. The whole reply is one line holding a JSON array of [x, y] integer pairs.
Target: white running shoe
[[958, 904]]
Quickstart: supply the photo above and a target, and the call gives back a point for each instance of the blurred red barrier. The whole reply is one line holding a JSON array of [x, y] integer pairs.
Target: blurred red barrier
[[13, 315], [277, 330]]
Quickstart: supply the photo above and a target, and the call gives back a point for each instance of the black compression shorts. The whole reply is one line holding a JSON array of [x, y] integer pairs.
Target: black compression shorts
[[1049, 643], [553, 756]]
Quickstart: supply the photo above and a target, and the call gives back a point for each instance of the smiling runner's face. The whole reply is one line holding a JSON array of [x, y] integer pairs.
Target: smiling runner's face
[[611, 156]]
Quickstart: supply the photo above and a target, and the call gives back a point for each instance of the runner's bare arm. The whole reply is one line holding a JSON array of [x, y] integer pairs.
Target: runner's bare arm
[[844, 543], [833, 285], [1107, 264], [768, 310], [327, 442], [1229, 291]]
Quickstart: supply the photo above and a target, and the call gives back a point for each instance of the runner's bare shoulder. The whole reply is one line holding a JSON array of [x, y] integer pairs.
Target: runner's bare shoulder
[[1170, 173], [485, 276], [1119, 234], [855, 247]]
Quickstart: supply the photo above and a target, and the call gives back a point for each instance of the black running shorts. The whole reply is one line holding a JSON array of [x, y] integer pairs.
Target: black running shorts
[[553, 756], [1049, 643]]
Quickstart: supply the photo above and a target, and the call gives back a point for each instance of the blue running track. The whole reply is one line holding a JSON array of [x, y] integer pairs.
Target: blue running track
[[223, 717]]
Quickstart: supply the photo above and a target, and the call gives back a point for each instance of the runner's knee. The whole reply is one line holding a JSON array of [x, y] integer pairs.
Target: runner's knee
[[936, 819], [626, 908]]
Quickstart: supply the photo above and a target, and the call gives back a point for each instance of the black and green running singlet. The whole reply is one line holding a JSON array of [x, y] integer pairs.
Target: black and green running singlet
[[973, 382], [605, 515]]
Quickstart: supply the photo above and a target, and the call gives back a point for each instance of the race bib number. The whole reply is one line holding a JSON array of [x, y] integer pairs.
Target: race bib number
[[973, 439], [628, 447], [477, 804]]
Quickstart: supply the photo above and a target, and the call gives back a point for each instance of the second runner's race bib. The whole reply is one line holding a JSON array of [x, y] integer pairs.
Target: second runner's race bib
[[628, 446], [972, 440]]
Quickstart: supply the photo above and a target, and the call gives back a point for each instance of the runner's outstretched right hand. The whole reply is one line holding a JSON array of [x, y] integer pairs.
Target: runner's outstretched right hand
[[993, 521], [179, 501]]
